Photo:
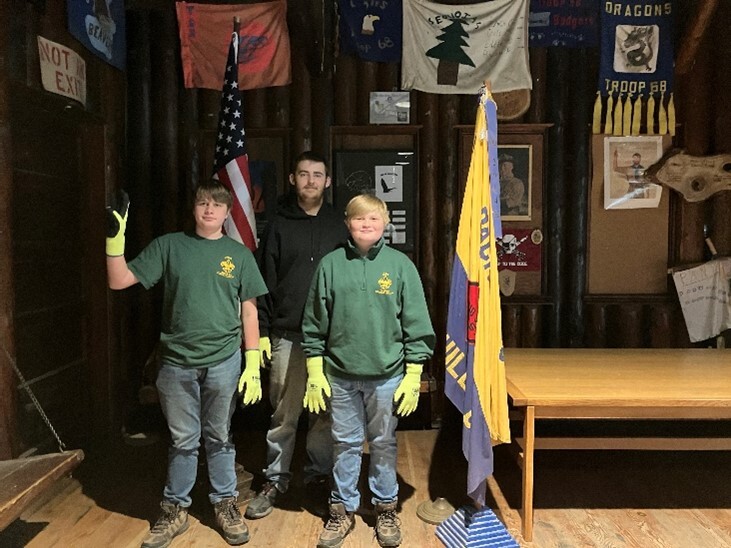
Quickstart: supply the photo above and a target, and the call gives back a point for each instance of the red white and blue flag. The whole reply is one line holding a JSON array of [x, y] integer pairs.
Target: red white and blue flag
[[231, 160], [474, 365]]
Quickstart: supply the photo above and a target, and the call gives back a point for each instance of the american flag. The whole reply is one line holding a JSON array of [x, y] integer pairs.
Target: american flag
[[231, 161]]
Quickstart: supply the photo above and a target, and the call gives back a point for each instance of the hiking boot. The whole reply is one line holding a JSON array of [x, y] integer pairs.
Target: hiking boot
[[263, 503], [388, 525], [229, 520], [337, 527], [172, 522], [317, 492]]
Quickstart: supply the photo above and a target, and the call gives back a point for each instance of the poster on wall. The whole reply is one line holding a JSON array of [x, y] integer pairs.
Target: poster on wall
[[389, 175], [625, 162], [99, 25]]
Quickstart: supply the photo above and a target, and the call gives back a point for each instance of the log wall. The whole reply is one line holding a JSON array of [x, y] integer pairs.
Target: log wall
[[155, 142]]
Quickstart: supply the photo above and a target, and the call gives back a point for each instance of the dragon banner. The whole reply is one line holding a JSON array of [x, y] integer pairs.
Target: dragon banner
[[636, 68]]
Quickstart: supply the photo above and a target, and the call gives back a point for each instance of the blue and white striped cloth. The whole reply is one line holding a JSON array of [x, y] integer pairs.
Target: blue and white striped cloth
[[471, 528]]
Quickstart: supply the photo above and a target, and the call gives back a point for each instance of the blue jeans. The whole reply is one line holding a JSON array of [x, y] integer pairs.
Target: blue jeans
[[199, 402], [287, 381], [363, 408]]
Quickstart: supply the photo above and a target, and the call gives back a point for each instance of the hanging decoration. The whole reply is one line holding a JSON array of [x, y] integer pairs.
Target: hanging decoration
[[572, 24], [636, 68]]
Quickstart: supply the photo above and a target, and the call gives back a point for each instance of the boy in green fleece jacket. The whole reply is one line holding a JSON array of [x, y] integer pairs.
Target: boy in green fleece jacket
[[367, 335]]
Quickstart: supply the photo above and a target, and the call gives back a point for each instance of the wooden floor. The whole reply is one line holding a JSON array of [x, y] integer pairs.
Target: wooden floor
[[583, 499]]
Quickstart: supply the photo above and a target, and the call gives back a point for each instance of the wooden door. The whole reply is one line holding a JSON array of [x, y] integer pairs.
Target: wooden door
[[58, 328]]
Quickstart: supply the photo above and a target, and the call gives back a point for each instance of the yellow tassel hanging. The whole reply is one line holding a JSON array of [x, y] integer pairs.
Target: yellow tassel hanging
[[627, 116], [671, 116], [596, 122], [651, 115], [618, 117], [636, 115], [662, 117], [608, 115]]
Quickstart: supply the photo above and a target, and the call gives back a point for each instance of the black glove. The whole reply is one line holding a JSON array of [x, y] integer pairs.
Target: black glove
[[120, 204]]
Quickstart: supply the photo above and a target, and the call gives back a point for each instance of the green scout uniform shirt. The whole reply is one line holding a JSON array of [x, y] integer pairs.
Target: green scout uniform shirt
[[205, 282], [367, 316]]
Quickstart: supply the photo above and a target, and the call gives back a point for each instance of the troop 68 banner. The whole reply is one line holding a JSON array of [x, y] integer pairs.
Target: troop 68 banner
[[636, 48]]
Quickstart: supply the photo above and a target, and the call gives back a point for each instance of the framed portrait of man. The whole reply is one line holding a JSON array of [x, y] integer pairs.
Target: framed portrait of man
[[514, 165]]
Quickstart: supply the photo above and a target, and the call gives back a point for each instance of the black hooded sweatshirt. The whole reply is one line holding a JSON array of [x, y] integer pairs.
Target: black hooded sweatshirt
[[289, 252]]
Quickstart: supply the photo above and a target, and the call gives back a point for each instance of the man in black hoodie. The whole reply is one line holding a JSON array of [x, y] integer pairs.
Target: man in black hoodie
[[303, 231]]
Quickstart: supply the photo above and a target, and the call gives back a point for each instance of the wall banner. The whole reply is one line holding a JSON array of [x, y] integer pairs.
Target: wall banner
[[636, 48], [100, 26], [568, 23]]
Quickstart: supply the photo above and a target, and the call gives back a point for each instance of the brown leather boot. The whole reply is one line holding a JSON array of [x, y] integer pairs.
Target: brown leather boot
[[172, 522], [388, 525], [337, 527], [229, 520]]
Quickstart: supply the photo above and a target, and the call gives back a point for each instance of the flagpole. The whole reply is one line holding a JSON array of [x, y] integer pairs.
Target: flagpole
[[237, 24]]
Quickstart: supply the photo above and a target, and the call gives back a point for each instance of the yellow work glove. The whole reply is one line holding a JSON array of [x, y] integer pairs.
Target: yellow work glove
[[265, 351], [249, 382], [408, 390], [117, 213], [316, 385]]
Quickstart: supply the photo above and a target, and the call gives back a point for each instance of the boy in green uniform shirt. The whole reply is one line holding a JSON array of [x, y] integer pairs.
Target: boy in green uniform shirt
[[367, 335], [211, 283]]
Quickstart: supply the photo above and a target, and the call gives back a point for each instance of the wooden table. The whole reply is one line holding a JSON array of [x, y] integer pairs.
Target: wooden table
[[624, 384]]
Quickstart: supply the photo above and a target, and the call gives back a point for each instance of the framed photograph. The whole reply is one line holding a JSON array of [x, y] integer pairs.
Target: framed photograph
[[389, 174], [625, 161], [515, 165], [521, 151], [389, 107]]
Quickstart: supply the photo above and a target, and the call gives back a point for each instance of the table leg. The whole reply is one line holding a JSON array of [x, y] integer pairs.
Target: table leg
[[529, 438]]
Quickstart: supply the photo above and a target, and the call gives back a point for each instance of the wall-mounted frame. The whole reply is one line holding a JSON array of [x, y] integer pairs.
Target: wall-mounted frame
[[381, 146], [515, 163], [522, 183], [388, 174]]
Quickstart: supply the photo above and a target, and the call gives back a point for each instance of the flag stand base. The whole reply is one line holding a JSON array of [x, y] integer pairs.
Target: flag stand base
[[435, 512]]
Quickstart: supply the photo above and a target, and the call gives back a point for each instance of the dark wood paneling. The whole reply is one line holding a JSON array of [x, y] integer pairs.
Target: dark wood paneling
[[164, 64], [557, 108], [8, 432]]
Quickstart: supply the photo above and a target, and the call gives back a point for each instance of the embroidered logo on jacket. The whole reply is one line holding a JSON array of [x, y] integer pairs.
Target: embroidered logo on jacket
[[227, 267], [384, 284]]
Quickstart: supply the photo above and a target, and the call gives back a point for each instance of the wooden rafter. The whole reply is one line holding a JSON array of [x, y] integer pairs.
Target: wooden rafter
[[694, 35]]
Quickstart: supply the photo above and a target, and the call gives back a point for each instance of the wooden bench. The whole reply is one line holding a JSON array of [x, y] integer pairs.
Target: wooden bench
[[622, 384], [22, 480]]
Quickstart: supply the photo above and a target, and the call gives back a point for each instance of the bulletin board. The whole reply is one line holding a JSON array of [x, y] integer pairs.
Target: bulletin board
[[627, 248]]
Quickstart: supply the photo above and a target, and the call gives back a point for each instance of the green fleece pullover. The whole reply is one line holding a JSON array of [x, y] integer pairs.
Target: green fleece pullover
[[367, 316]]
